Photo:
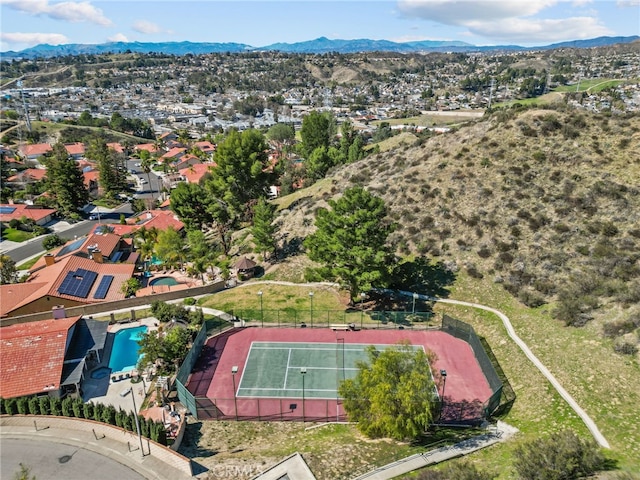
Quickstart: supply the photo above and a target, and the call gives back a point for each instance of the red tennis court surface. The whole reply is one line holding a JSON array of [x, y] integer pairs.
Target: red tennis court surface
[[213, 384]]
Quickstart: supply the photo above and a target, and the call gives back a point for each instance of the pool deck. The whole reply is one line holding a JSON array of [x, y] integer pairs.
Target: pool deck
[[184, 282], [103, 390]]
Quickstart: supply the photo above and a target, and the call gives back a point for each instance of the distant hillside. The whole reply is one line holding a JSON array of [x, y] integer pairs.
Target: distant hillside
[[319, 45], [544, 202]]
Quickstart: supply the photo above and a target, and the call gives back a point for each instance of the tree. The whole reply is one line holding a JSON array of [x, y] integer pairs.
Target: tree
[[263, 227], [317, 130], [169, 347], [559, 456], [130, 287], [393, 393], [242, 172], [65, 181], [190, 201], [170, 246], [200, 253], [109, 166], [8, 270], [351, 242]]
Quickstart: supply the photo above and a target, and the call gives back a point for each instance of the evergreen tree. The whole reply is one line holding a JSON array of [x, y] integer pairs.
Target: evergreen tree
[[351, 242], [109, 166], [65, 182], [8, 270], [263, 227]]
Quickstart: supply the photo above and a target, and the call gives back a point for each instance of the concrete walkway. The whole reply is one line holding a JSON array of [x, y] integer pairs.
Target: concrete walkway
[[500, 433], [591, 425]]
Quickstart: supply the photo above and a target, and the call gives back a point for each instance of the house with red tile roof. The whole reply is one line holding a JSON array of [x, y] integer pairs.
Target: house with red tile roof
[[174, 154], [40, 215], [71, 281], [158, 219], [75, 150], [33, 151], [149, 147], [49, 357], [90, 179], [25, 177], [206, 147], [115, 146], [194, 173]]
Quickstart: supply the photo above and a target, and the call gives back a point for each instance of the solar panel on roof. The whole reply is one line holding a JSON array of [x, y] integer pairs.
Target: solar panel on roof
[[78, 283], [88, 278], [7, 210], [71, 247], [103, 287]]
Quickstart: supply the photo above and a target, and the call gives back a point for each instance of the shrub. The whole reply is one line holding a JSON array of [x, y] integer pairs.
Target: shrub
[[625, 348], [34, 406], [44, 406], [52, 241], [67, 407], [456, 471], [189, 301], [562, 455], [87, 410], [22, 404], [55, 406], [77, 408]]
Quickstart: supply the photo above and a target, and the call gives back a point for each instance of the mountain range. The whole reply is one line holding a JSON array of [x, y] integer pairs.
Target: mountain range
[[319, 45]]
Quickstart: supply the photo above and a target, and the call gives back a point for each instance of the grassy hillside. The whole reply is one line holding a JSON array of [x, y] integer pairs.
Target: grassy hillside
[[537, 212]]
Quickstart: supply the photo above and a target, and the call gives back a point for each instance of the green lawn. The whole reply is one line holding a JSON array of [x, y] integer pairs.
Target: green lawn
[[29, 263], [591, 85], [15, 235]]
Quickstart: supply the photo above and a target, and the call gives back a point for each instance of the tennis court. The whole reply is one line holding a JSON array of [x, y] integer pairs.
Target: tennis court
[[274, 369]]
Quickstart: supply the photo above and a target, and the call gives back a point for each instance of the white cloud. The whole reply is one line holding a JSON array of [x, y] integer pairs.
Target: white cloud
[[75, 12], [34, 38], [628, 3], [118, 37], [459, 12], [508, 20], [541, 31], [146, 27]]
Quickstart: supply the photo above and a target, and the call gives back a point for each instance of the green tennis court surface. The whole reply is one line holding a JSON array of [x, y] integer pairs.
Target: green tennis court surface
[[274, 369]]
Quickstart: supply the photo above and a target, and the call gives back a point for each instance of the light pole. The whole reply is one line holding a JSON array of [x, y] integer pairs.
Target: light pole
[[443, 374], [234, 370], [413, 309], [303, 372], [362, 297], [261, 310], [135, 414], [311, 300]]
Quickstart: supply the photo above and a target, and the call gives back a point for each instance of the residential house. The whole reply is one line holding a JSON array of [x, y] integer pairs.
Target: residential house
[[19, 211], [26, 177], [71, 281], [75, 150], [49, 357], [194, 173], [35, 151]]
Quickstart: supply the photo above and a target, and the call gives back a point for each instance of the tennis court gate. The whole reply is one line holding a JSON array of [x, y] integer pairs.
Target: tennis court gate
[[465, 332]]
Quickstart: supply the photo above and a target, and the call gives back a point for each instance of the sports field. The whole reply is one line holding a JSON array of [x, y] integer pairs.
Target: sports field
[[255, 373], [275, 369]]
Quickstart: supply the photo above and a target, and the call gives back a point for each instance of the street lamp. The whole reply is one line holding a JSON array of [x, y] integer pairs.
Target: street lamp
[[234, 370], [261, 310], [362, 298], [311, 300], [443, 374], [413, 309], [135, 414], [303, 372]]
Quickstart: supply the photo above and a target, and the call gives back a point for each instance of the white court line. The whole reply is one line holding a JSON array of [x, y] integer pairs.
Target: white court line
[[338, 369], [286, 371], [293, 389]]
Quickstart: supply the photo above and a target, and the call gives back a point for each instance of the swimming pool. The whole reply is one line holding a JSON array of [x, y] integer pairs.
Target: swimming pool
[[124, 353], [164, 281]]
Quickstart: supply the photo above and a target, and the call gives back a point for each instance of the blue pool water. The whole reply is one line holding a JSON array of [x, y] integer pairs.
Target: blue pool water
[[124, 353], [164, 281]]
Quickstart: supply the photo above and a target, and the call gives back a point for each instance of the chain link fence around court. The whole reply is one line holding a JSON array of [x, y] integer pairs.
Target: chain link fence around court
[[465, 332], [331, 410], [326, 318]]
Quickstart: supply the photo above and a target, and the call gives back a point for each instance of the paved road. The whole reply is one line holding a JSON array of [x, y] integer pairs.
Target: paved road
[[34, 247], [51, 460]]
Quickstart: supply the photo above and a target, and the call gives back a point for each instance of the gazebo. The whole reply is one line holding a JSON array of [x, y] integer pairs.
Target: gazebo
[[245, 267]]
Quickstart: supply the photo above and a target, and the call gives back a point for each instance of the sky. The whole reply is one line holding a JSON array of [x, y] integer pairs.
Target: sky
[[26, 23]]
